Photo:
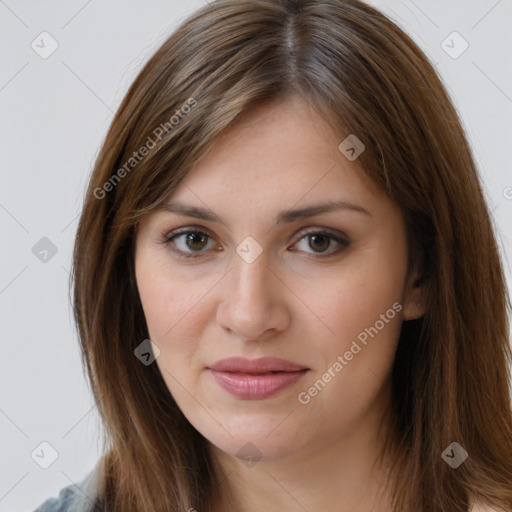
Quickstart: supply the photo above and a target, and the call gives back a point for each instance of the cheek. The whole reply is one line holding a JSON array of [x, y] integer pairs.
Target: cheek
[[177, 311], [361, 320], [355, 299], [358, 358], [173, 312], [167, 301]]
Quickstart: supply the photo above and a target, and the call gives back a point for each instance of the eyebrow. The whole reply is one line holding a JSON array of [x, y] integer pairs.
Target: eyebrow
[[284, 216]]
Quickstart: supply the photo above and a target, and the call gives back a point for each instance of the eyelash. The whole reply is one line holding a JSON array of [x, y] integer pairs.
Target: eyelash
[[169, 238]]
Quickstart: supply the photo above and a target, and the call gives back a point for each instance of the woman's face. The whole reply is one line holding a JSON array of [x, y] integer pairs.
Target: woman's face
[[267, 276]]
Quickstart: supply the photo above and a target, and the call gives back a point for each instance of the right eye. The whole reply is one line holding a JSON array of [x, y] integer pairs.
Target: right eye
[[189, 243]]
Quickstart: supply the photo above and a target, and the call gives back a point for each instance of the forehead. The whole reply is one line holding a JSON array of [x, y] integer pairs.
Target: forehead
[[280, 154]]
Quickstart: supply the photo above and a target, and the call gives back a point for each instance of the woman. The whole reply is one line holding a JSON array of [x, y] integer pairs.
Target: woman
[[286, 282]]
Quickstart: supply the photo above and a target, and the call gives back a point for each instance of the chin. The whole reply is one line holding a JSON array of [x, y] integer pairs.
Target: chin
[[256, 440]]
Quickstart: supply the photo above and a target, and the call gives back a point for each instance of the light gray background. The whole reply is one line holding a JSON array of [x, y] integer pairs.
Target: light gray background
[[54, 115]]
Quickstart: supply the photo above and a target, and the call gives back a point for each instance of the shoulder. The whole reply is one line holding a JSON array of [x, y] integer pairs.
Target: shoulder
[[67, 500], [80, 497]]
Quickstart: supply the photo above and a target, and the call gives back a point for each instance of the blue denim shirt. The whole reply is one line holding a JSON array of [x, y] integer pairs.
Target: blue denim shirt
[[66, 501], [78, 497]]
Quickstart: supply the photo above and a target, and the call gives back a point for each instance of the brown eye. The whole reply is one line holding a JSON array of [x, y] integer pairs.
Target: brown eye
[[196, 240], [189, 241], [318, 243]]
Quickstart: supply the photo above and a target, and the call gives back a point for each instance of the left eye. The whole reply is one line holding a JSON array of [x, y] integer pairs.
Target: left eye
[[190, 243], [321, 241]]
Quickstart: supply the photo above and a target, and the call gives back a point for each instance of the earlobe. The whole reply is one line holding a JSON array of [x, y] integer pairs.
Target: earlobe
[[413, 310], [414, 299], [421, 312]]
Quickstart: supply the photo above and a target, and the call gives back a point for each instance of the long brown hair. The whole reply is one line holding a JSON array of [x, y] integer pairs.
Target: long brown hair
[[450, 380]]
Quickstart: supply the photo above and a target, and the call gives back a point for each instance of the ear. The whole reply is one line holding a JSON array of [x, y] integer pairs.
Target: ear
[[414, 297]]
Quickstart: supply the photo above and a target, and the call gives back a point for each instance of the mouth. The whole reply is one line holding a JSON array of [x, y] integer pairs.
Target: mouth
[[256, 366], [257, 373], [258, 378]]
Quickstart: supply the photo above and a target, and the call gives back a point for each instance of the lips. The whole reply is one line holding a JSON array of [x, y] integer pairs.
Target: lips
[[257, 378], [256, 366]]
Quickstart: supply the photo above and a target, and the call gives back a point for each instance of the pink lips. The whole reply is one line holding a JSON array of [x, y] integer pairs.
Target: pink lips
[[256, 378]]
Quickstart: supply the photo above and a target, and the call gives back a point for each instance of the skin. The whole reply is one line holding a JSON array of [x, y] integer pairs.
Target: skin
[[287, 304]]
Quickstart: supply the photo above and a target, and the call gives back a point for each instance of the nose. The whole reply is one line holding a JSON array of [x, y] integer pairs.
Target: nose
[[254, 300]]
